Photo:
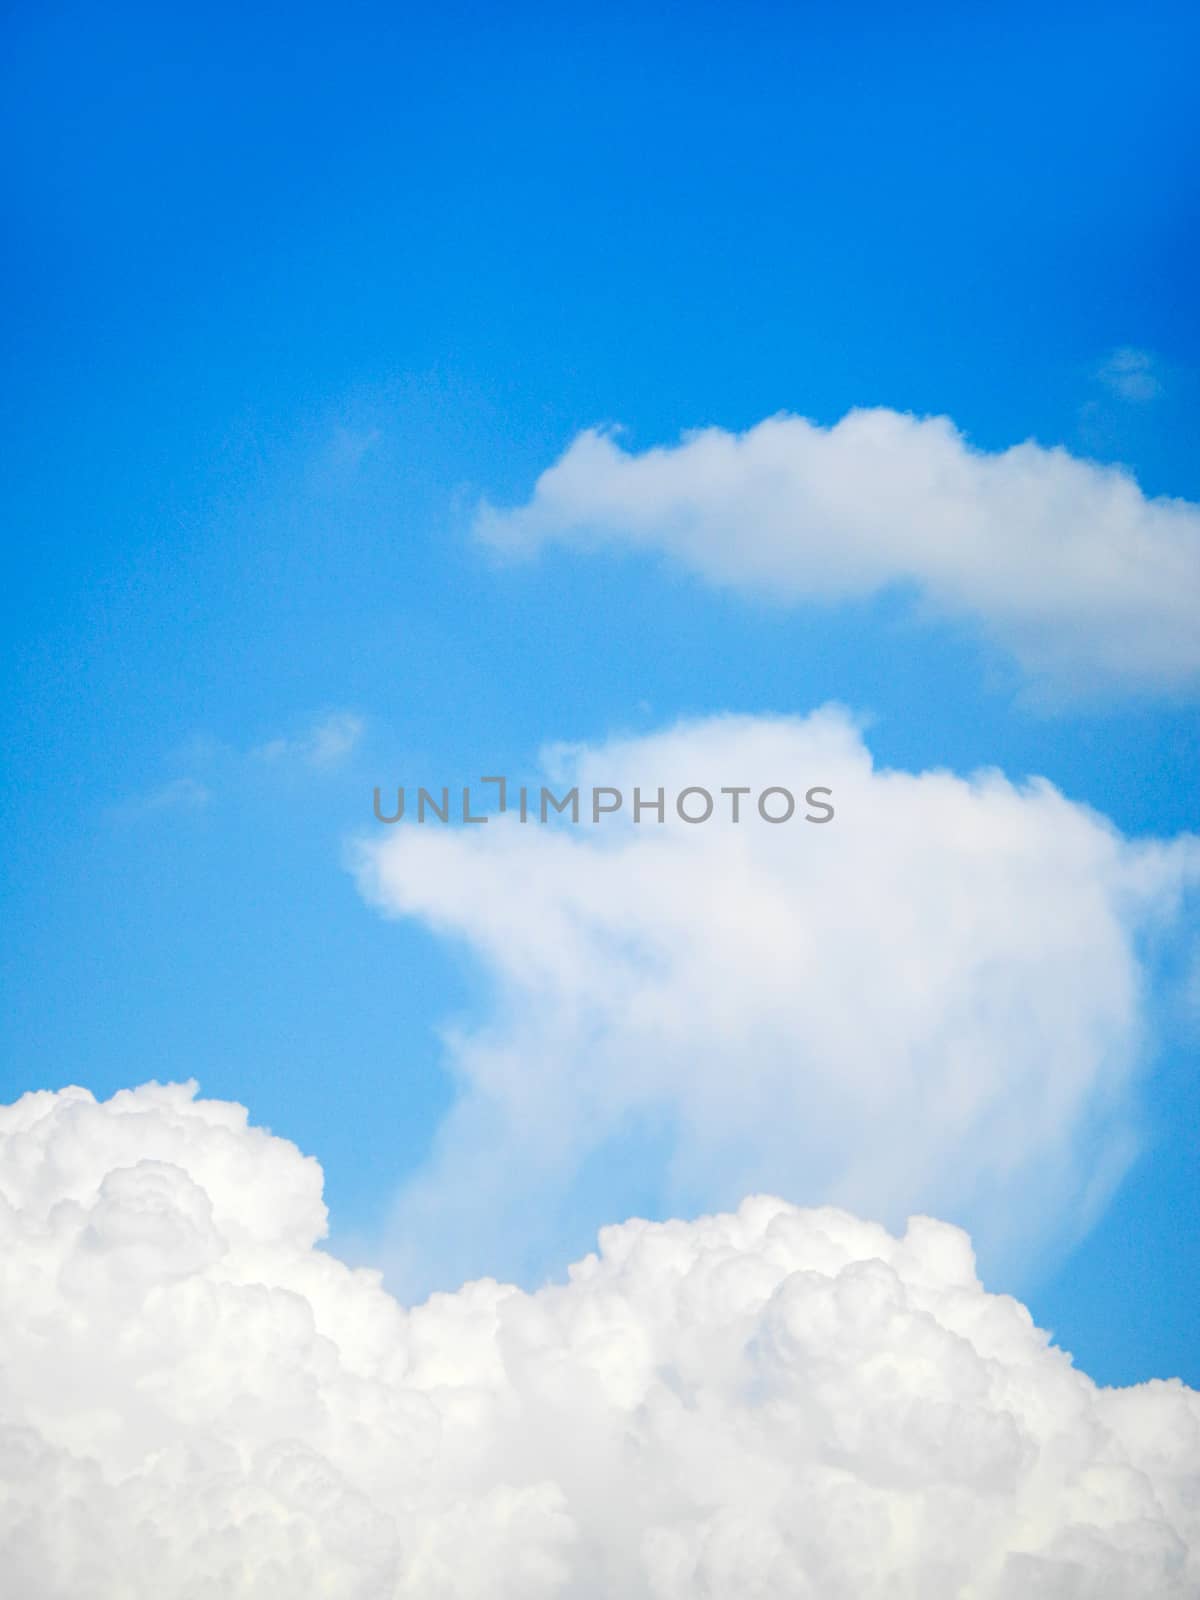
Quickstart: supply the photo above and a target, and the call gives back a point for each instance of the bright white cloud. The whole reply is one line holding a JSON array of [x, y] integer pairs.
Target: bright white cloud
[[934, 1002], [1064, 562], [199, 1404]]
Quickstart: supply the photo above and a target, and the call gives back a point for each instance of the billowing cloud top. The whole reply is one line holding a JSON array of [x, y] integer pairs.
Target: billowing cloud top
[[199, 1405], [934, 1002], [1065, 563]]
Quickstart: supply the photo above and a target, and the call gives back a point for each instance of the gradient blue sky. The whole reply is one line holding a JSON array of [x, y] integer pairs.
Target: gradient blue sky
[[289, 289]]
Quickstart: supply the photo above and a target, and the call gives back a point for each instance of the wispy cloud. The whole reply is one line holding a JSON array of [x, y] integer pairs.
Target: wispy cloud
[[181, 794], [323, 746], [1131, 374]]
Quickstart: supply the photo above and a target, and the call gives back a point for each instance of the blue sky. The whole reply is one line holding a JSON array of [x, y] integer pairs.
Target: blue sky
[[287, 298]]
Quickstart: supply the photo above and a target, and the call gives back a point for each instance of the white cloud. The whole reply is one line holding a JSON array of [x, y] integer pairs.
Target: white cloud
[[322, 747], [199, 1404], [935, 1002], [326, 744], [1131, 374], [180, 794], [1064, 562]]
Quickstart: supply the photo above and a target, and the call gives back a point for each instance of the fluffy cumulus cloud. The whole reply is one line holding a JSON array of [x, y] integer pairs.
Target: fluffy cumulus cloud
[[1064, 562], [200, 1404], [935, 1001]]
